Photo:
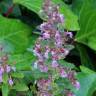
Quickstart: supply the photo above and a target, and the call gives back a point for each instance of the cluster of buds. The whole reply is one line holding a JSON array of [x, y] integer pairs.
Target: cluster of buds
[[44, 87], [52, 46], [5, 68]]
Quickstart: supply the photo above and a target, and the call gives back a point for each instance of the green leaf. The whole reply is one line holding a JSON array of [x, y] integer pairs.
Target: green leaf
[[22, 61], [20, 87], [77, 5], [5, 90], [71, 20], [37, 74], [14, 32], [85, 59], [87, 32], [86, 70], [87, 81], [66, 64], [5, 78], [17, 75]]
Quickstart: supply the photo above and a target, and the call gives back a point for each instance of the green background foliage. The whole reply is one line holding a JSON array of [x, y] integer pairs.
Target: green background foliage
[[17, 36]]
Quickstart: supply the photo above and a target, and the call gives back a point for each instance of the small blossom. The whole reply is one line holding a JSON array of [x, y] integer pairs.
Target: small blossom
[[46, 35], [1, 70], [70, 94], [68, 34], [55, 64], [77, 85], [66, 52], [63, 74], [43, 68], [46, 54], [8, 68], [10, 81], [61, 18]]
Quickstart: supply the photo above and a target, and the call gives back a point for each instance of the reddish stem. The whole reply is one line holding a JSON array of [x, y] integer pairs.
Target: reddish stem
[[9, 11]]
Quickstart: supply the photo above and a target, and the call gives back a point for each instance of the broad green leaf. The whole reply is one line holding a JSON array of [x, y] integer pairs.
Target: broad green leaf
[[85, 59], [7, 46], [17, 75], [77, 5], [14, 32], [5, 90], [87, 32], [20, 87], [86, 70], [87, 82], [22, 61], [71, 20]]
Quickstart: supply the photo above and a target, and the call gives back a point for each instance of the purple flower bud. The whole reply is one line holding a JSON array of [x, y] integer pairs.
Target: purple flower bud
[[44, 93], [38, 46], [77, 85], [66, 52], [45, 26], [46, 55], [68, 34], [70, 94], [43, 68], [57, 36], [8, 68], [61, 18], [1, 70], [10, 81], [42, 26], [46, 36], [63, 74], [58, 42], [54, 64]]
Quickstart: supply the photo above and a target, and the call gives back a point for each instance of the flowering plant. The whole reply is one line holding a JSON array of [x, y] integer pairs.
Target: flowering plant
[[50, 48], [61, 59], [10, 77]]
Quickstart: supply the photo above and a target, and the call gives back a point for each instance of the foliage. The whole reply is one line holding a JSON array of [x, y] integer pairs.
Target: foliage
[[18, 38]]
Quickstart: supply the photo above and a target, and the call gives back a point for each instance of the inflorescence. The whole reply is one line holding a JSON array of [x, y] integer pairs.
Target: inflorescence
[[52, 46]]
